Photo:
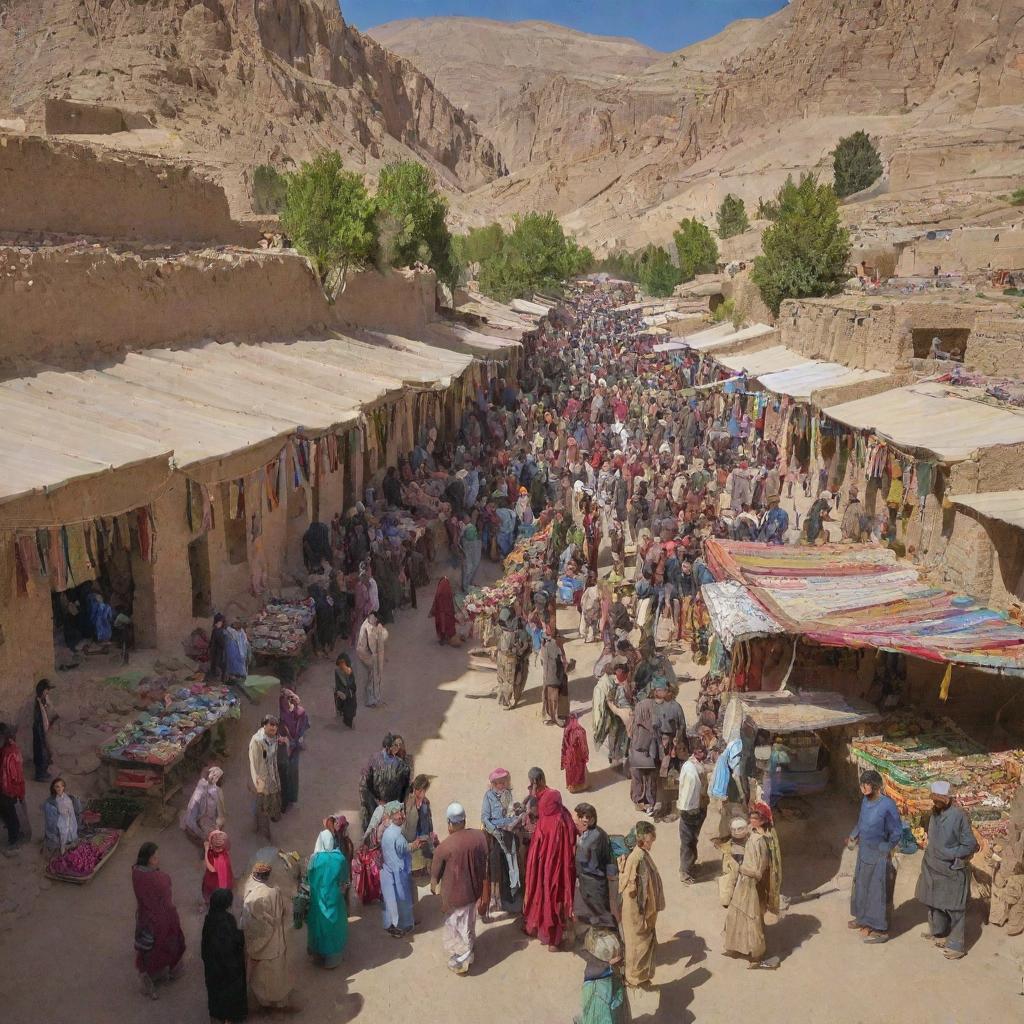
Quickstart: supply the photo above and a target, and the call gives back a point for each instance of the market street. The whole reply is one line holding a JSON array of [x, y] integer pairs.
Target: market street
[[454, 735]]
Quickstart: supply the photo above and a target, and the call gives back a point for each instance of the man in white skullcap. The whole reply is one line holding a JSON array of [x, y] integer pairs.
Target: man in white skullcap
[[945, 881], [460, 872]]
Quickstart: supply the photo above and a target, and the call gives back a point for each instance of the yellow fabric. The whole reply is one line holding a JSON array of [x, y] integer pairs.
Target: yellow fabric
[[946, 680]]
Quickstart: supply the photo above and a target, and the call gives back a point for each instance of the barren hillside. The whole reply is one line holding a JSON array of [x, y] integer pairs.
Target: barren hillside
[[940, 83], [235, 83], [497, 71]]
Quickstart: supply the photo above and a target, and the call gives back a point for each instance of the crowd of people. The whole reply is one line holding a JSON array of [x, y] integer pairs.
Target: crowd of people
[[597, 449]]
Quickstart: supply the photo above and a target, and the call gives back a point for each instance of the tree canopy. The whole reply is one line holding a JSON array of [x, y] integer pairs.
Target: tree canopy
[[658, 274], [536, 255], [804, 252], [329, 217], [411, 225], [269, 189], [732, 217], [856, 164], [696, 248]]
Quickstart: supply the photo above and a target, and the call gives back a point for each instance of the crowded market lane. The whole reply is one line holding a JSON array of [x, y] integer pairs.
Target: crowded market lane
[[458, 737]]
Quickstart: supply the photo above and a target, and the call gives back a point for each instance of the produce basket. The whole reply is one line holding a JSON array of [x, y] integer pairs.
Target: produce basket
[[83, 861]]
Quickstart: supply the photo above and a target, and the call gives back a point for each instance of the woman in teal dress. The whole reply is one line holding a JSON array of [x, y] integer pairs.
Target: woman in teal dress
[[604, 995], [327, 922]]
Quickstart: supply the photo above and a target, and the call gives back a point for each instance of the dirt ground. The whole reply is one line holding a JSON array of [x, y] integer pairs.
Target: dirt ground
[[83, 935]]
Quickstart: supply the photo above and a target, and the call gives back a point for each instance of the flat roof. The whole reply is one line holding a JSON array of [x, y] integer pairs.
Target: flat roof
[[951, 423], [731, 336], [192, 405], [1005, 506], [803, 381], [768, 360]]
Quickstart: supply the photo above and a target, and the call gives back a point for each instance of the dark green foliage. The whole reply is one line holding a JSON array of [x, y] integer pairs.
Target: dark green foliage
[[767, 209], [732, 217], [696, 248], [804, 253], [621, 265], [659, 276], [856, 164], [536, 255], [269, 189]]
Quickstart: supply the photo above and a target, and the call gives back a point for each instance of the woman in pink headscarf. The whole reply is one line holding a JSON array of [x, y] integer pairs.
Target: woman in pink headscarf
[[217, 857], [550, 871]]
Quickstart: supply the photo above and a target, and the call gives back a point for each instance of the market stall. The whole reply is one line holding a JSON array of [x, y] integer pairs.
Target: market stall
[[791, 738], [150, 754], [82, 862], [914, 748], [279, 636]]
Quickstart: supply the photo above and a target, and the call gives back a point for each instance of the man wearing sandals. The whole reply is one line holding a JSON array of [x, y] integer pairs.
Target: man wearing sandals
[[945, 881], [876, 834]]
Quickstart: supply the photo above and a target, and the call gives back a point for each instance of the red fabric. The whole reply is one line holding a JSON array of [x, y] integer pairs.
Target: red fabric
[[366, 875], [222, 877], [550, 870], [12, 772], [443, 610], [575, 753], [157, 914]]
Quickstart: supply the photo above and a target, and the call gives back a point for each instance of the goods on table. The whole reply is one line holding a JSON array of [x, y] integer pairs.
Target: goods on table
[[916, 749], [161, 733], [280, 628], [82, 861]]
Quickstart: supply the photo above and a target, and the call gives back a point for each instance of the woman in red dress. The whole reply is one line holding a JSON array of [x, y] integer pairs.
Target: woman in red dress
[[575, 755], [159, 940], [217, 859], [443, 611], [550, 871]]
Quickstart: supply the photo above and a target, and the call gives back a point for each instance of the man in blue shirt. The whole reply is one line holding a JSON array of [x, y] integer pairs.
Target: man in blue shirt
[[877, 832]]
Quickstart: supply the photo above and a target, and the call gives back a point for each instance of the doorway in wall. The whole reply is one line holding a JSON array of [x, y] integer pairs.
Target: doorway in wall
[[199, 570]]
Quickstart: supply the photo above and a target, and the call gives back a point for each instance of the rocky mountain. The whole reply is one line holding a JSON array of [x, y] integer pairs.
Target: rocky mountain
[[939, 83], [499, 71], [236, 83]]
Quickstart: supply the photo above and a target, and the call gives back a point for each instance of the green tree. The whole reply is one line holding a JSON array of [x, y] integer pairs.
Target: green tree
[[411, 221], [482, 243], [269, 189], [696, 248], [732, 217], [620, 265], [856, 163], [536, 255], [804, 253], [767, 209], [659, 276], [329, 217], [1017, 197]]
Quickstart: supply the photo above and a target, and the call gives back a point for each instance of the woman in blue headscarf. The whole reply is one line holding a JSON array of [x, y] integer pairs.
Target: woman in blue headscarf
[[327, 923]]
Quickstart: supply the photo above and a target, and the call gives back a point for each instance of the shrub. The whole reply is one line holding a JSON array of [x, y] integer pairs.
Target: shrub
[[856, 164], [269, 189], [732, 217], [804, 253], [659, 276], [696, 248]]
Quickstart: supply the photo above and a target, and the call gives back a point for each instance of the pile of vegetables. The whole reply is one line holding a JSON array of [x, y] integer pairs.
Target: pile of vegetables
[[80, 861]]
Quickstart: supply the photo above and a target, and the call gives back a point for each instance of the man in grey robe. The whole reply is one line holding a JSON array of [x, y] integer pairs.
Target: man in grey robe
[[670, 727], [945, 881]]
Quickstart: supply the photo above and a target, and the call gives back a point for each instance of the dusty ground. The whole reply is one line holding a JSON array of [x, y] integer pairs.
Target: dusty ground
[[86, 933]]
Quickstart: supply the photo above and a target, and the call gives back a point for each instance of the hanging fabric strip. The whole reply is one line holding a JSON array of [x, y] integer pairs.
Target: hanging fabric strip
[[233, 492], [208, 517], [188, 505]]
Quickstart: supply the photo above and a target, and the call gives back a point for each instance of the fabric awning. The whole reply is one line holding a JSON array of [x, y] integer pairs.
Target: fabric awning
[[802, 381], [767, 360], [735, 615], [950, 423], [731, 336], [785, 711], [861, 596], [1005, 506]]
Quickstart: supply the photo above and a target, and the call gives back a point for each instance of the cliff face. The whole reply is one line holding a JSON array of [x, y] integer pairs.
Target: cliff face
[[621, 157], [236, 83]]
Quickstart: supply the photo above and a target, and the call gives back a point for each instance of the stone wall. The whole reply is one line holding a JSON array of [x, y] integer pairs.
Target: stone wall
[[874, 334], [71, 307], [52, 186], [972, 250]]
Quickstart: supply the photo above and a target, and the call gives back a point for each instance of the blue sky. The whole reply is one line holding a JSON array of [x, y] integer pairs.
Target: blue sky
[[661, 24]]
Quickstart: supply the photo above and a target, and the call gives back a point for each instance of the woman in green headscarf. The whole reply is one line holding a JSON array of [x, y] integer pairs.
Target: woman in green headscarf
[[327, 923]]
